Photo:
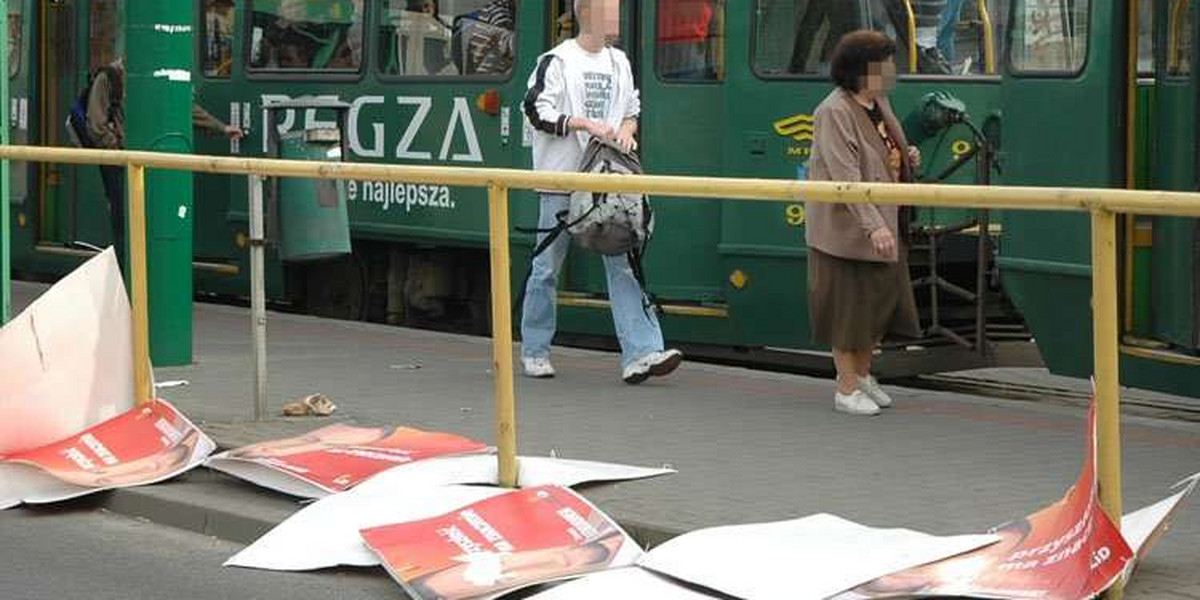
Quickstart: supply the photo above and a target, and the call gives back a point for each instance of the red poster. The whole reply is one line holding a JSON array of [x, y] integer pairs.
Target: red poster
[[338, 457], [501, 544], [143, 445], [1069, 550]]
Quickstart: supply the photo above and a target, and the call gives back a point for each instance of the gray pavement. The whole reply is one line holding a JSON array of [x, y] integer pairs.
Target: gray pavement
[[749, 446], [74, 553]]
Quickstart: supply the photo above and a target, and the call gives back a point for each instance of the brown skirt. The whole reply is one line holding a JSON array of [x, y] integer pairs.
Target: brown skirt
[[853, 304]]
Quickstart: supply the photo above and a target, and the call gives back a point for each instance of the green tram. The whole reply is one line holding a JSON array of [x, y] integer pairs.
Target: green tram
[[728, 89]]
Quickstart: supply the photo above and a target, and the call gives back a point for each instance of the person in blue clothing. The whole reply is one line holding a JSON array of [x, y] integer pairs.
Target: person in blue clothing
[[584, 88]]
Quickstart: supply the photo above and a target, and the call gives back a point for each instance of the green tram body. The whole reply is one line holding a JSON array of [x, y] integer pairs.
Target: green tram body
[[731, 273]]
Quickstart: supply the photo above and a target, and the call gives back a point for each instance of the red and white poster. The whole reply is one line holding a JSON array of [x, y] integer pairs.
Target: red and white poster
[[522, 538], [144, 445], [631, 583], [325, 533], [1069, 550], [68, 359], [337, 457]]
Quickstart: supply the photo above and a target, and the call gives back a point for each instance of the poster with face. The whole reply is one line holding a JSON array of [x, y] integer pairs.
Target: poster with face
[[68, 358], [337, 457], [489, 548], [146, 444], [1069, 550]]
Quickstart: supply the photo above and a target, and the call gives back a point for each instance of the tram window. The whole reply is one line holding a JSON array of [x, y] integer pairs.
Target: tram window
[[447, 38], [953, 37], [1179, 38], [14, 38], [217, 38], [690, 40], [564, 27], [1145, 64], [1050, 36], [306, 35]]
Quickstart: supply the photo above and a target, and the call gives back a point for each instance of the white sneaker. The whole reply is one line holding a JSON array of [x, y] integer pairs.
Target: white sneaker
[[537, 367], [655, 364], [856, 404], [664, 363], [871, 388]]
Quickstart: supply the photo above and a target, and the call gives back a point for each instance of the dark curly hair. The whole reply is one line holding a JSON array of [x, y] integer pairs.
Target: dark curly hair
[[854, 52]]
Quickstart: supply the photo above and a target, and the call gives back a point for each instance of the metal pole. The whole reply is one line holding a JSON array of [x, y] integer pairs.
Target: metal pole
[[258, 297], [502, 343], [143, 388], [983, 176], [5, 190], [1107, 375]]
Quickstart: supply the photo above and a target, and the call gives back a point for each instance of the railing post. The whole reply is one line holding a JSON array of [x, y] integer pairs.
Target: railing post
[[502, 342], [143, 387], [1107, 375], [258, 297]]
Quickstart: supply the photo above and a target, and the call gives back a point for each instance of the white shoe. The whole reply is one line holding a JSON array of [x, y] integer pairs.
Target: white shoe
[[664, 363], [856, 404], [655, 364], [871, 388], [537, 367]]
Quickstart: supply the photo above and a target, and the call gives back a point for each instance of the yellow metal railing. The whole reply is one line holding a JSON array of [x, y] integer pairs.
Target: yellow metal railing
[[1103, 204], [910, 17], [989, 37]]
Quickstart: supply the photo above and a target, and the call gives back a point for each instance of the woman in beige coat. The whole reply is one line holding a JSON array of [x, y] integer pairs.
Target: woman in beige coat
[[858, 282]]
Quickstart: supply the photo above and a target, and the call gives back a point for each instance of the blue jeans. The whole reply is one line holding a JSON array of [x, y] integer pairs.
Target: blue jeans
[[637, 327]]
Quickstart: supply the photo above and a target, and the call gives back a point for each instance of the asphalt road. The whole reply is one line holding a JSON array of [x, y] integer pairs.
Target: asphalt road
[[78, 553]]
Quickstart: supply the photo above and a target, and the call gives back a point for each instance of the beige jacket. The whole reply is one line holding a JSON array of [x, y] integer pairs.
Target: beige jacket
[[847, 147], [106, 118]]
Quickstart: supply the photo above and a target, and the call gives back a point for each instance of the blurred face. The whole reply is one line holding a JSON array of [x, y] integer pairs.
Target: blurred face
[[326, 437], [530, 565], [881, 77], [601, 17]]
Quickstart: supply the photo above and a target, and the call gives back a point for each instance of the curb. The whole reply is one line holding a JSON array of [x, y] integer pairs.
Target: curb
[[214, 504]]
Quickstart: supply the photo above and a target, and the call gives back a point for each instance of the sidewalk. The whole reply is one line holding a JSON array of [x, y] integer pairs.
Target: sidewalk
[[749, 446]]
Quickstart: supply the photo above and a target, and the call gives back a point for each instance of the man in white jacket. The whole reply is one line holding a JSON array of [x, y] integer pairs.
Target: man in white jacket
[[581, 89]]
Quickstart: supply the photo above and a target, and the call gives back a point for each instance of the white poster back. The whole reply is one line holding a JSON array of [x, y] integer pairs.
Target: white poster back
[[803, 559], [68, 358]]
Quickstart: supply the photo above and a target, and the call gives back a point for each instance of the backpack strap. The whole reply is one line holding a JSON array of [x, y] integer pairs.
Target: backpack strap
[[635, 256], [552, 234]]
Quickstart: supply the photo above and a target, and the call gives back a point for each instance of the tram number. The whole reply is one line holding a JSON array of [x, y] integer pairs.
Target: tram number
[[794, 215]]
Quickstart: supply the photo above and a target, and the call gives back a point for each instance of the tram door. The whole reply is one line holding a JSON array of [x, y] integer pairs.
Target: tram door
[[1174, 316], [73, 38], [1063, 102]]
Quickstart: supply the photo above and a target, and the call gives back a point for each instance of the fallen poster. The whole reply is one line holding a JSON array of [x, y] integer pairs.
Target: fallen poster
[[810, 558], [633, 583], [1142, 528], [68, 359], [337, 457], [326, 533], [1069, 550], [145, 445], [509, 542]]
